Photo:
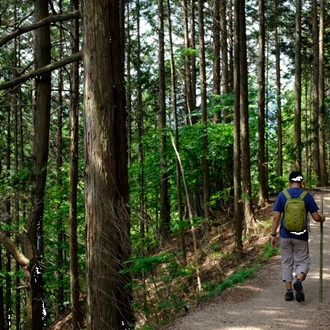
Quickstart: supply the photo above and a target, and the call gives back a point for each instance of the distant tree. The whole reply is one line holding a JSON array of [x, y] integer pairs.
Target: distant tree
[[74, 179], [279, 160], [203, 84], [164, 198], [216, 54], [225, 81], [315, 49], [237, 134], [324, 178], [176, 130], [189, 62], [297, 110], [244, 122], [262, 166]]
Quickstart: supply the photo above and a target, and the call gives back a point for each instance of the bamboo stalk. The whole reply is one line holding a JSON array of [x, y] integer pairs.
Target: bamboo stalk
[[321, 253]]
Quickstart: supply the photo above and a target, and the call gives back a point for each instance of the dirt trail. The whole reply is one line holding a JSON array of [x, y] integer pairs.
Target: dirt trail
[[260, 304]]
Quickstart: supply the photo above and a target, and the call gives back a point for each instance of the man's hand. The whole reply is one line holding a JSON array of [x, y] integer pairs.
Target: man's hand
[[318, 217], [274, 242]]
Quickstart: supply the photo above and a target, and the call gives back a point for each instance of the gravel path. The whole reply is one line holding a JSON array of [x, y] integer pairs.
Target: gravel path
[[260, 304]]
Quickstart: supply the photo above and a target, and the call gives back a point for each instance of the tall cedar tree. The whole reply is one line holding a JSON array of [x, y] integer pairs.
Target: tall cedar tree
[[244, 121], [237, 137], [262, 170], [106, 179], [73, 214], [164, 198], [203, 84], [297, 114], [278, 93], [322, 138]]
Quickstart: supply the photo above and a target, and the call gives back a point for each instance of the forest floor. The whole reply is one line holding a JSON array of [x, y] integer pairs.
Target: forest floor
[[259, 302]]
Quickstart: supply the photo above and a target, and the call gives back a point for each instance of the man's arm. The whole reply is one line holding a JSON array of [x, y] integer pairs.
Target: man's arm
[[276, 222], [318, 217]]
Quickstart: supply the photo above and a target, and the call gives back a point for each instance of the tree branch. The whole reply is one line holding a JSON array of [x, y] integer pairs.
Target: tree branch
[[45, 21], [13, 249], [39, 72]]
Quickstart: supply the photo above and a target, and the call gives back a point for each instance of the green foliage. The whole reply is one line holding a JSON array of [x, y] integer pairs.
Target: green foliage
[[220, 104], [159, 280], [268, 251], [186, 224], [241, 274], [223, 195]]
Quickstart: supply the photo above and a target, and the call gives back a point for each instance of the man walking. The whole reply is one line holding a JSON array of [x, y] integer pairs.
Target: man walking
[[294, 245]]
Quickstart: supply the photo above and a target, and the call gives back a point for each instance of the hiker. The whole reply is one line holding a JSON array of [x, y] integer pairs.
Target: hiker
[[294, 243]]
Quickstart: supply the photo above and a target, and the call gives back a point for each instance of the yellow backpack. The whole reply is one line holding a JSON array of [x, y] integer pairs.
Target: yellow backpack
[[295, 214]]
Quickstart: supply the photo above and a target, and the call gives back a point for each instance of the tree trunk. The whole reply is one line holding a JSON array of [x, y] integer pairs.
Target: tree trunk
[[225, 83], [188, 59], [202, 69], [176, 130], [216, 57], [193, 68], [41, 120], [297, 115], [2, 301], [129, 88], [140, 118], [106, 180], [19, 160], [74, 142], [324, 179], [315, 38], [244, 122], [8, 216], [237, 135], [262, 164], [164, 199], [278, 95], [59, 164]]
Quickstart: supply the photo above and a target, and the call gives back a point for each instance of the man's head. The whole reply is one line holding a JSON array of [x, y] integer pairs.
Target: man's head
[[296, 177]]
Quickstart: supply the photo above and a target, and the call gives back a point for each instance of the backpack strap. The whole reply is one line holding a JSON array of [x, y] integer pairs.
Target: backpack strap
[[303, 194], [286, 194]]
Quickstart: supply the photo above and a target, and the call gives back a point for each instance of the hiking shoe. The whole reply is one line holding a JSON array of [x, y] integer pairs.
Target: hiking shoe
[[300, 297], [288, 296]]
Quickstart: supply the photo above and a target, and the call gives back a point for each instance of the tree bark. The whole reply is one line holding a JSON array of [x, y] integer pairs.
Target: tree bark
[[41, 121], [140, 126], [216, 57], [188, 59], [297, 110], [202, 69], [164, 199], [238, 220], [244, 123], [278, 94], [74, 142], [193, 76], [2, 301], [59, 165], [225, 81], [106, 180], [262, 163], [176, 130], [324, 179], [315, 48]]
